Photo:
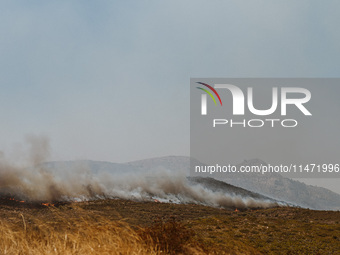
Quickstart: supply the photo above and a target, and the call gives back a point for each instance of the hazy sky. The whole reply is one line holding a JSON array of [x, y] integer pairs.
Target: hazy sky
[[109, 80]]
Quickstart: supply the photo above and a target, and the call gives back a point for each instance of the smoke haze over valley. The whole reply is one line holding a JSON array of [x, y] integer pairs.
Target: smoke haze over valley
[[160, 179]]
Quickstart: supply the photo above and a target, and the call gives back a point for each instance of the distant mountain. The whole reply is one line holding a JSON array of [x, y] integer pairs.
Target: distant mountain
[[271, 185], [278, 187], [156, 180], [220, 186], [173, 163], [92, 166]]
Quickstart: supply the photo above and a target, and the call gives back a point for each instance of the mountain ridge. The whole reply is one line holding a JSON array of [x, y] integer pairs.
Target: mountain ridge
[[271, 185]]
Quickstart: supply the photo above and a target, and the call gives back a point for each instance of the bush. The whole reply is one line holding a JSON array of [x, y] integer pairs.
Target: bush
[[170, 236]]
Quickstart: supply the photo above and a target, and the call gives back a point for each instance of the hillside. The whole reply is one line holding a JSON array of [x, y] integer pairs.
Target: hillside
[[271, 185], [128, 227], [279, 187]]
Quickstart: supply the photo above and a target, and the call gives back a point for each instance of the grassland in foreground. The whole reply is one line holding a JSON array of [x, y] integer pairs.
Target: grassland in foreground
[[128, 227]]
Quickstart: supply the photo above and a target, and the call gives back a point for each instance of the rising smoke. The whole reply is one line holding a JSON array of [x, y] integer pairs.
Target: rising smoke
[[35, 182]]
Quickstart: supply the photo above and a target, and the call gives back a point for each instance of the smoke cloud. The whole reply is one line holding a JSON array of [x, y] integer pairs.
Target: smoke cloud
[[35, 182]]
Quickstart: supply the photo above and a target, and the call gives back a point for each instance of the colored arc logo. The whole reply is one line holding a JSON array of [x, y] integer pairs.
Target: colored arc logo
[[209, 93]]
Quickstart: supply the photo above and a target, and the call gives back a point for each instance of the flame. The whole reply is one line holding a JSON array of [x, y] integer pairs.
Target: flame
[[236, 210], [22, 201], [13, 199], [47, 204]]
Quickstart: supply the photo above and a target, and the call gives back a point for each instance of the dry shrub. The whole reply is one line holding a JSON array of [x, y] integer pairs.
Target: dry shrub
[[171, 237], [73, 232]]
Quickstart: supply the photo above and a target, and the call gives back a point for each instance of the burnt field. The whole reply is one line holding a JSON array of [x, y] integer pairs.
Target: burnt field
[[116, 226]]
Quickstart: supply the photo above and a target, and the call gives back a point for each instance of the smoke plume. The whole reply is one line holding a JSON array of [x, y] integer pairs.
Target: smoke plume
[[35, 182]]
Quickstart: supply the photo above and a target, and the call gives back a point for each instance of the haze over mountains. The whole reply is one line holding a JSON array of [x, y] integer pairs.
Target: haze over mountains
[[270, 187]]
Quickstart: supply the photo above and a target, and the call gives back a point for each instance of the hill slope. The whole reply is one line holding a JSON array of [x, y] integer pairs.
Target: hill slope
[[270, 185]]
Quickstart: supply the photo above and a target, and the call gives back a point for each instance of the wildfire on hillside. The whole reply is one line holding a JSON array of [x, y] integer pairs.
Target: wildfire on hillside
[[12, 201], [47, 204]]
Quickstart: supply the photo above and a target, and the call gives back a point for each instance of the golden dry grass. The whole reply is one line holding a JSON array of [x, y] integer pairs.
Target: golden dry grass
[[128, 227], [78, 233]]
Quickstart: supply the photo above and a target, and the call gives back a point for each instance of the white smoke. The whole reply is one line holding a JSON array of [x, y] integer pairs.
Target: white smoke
[[36, 182]]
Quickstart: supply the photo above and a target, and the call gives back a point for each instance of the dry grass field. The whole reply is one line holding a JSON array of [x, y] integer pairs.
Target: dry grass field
[[127, 227]]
